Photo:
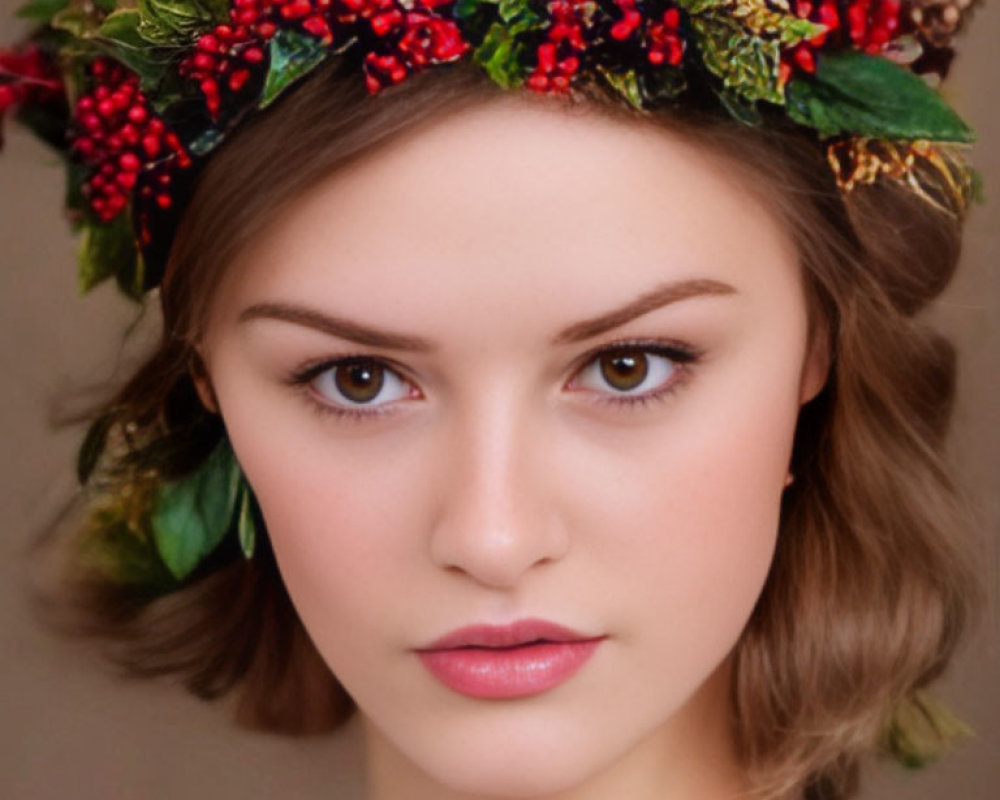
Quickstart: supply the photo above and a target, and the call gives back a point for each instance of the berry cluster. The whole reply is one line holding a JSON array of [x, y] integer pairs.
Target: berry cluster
[[27, 76], [117, 135], [225, 55], [424, 38], [565, 33], [867, 25], [413, 38], [558, 58], [664, 42]]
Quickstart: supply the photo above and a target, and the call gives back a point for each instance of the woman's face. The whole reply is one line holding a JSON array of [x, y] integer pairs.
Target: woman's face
[[581, 352]]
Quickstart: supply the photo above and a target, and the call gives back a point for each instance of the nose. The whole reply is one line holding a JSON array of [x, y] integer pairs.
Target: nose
[[499, 514]]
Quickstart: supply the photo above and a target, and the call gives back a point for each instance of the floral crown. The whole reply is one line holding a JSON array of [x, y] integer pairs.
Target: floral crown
[[137, 93]]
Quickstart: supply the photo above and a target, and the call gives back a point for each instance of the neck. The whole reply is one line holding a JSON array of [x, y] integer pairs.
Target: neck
[[691, 756]]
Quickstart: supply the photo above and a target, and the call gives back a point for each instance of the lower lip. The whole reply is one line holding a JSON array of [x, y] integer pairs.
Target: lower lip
[[508, 672]]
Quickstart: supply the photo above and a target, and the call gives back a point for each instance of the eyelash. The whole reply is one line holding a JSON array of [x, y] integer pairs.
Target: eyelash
[[682, 356]]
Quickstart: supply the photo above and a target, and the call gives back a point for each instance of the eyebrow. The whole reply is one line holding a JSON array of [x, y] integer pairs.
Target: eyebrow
[[350, 330]]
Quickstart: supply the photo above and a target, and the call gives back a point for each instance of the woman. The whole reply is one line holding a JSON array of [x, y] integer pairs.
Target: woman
[[582, 453]]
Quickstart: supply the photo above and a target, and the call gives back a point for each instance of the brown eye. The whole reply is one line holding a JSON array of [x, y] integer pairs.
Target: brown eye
[[359, 381], [624, 369], [630, 370]]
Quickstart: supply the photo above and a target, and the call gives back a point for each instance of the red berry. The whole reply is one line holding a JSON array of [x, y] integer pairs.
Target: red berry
[[126, 179], [129, 162]]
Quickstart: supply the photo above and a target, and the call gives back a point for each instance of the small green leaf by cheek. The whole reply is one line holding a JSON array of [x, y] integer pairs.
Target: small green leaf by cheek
[[244, 525], [191, 515]]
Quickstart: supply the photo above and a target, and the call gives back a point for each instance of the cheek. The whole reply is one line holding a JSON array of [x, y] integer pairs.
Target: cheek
[[694, 505], [336, 526], [334, 510]]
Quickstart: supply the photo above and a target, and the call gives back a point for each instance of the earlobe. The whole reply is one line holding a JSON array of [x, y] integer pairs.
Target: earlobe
[[816, 367], [203, 383]]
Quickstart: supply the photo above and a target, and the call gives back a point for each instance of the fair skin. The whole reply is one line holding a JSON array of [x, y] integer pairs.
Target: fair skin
[[507, 478]]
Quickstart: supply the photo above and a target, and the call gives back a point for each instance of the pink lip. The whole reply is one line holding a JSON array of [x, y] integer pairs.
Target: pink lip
[[527, 657]]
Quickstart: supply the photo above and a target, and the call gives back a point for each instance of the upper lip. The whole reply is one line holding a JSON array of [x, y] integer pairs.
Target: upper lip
[[519, 632]]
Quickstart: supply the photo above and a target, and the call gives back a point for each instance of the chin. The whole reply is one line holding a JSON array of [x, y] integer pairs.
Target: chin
[[515, 763]]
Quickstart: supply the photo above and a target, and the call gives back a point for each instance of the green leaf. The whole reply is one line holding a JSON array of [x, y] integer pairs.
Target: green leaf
[[739, 108], [771, 17], [625, 83], [131, 278], [244, 525], [192, 515], [499, 54], [124, 555], [206, 142], [106, 249], [76, 21], [41, 10], [92, 447], [119, 36], [865, 95], [514, 10], [293, 54], [701, 6], [75, 201], [921, 731], [747, 62], [467, 8], [178, 22], [978, 186], [116, 35], [662, 86]]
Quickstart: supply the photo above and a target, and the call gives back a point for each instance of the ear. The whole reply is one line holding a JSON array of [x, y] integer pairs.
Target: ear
[[202, 382], [816, 365]]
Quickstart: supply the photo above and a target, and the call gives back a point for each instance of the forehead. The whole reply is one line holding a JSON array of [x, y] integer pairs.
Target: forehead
[[521, 205]]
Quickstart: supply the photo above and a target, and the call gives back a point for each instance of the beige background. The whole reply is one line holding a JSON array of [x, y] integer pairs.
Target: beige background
[[71, 730]]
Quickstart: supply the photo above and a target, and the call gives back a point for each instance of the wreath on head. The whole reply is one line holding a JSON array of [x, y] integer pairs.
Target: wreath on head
[[137, 93]]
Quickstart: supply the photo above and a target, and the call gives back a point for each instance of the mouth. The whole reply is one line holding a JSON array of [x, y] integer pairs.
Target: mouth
[[521, 633], [525, 658]]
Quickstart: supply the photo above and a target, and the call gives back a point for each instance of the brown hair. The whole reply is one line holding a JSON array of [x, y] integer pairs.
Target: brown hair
[[871, 586]]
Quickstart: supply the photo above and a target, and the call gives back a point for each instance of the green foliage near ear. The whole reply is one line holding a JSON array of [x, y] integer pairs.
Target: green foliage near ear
[[921, 730], [192, 515], [245, 526], [93, 446], [124, 553], [865, 95], [109, 249]]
